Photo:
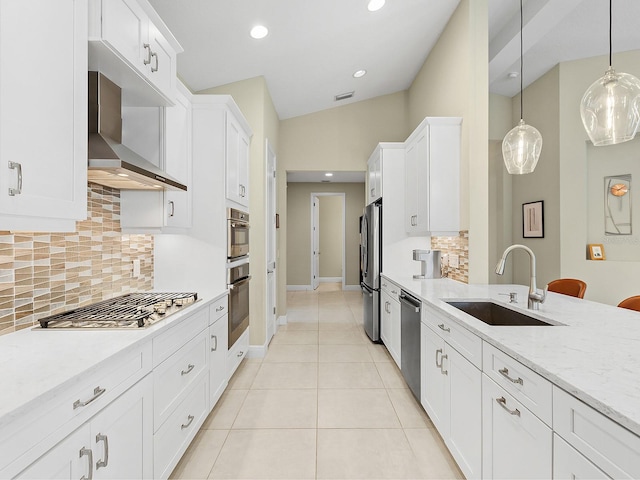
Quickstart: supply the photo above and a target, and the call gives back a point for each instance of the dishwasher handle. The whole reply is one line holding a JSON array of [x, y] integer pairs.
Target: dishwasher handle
[[411, 302]]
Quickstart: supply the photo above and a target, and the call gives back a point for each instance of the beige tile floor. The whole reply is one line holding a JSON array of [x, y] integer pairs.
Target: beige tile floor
[[324, 403]]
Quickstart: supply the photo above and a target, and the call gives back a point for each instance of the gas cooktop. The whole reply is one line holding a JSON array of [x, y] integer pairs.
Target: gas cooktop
[[133, 310]]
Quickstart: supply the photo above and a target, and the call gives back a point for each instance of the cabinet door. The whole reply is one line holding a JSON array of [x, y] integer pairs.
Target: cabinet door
[[218, 333], [374, 176], [121, 435], [411, 188], [43, 169], [125, 28], [162, 67], [237, 158], [178, 162], [570, 464], [444, 178], [434, 396], [515, 443], [396, 327], [385, 320], [423, 182], [465, 412], [70, 459]]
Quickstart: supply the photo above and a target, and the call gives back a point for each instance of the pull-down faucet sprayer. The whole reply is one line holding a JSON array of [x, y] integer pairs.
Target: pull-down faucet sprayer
[[535, 297]]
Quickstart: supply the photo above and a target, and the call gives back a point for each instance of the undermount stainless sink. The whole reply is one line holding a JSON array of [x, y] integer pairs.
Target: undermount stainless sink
[[494, 314]]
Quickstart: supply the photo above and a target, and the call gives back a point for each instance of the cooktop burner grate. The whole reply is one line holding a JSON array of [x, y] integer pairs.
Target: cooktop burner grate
[[133, 310]]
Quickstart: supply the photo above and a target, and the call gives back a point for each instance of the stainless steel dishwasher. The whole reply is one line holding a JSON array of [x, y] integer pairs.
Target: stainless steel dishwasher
[[410, 341]]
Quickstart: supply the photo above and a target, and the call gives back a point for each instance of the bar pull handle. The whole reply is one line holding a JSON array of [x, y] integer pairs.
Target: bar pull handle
[[173, 208], [147, 60], [215, 339], [96, 393], [443, 328], [186, 425], [439, 365], [444, 372], [89, 453], [105, 462], [16, 191], [188, 370], [505, 373], [503, 403], [241, 353], [155, 69]]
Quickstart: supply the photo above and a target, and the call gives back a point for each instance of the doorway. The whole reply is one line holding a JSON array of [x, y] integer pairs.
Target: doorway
[[327, 238], [271, 240]]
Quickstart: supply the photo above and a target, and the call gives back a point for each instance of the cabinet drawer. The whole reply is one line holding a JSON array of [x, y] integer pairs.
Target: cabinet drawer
[[529, 388], [218, 309], [237, 353], [390, 288], [468, 344], [569, 464], [174, 376], [607, 444], [178, 334], [173, 438]]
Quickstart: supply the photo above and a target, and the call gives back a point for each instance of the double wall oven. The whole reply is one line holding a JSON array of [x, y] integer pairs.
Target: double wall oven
[[238, 272]]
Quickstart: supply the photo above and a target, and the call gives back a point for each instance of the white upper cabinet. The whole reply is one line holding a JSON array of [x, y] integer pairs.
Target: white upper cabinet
[[237, 161], [374, 176], [130, 44], [162, 135], [43, 121], [432, 177]]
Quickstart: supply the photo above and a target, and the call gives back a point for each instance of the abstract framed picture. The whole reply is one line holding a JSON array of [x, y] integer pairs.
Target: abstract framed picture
[[596, 251], [533, 219]]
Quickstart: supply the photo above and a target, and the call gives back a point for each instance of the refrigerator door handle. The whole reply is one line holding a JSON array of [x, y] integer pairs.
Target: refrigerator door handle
[[366, 291]]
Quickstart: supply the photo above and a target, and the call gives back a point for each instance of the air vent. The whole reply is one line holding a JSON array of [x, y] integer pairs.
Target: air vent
[[343, 96]]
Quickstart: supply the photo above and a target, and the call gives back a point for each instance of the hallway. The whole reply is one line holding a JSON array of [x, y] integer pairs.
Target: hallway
[[324, 403]]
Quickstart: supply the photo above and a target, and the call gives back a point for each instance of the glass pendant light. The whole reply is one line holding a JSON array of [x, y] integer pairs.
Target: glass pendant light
[[521, 147], [610, 108]]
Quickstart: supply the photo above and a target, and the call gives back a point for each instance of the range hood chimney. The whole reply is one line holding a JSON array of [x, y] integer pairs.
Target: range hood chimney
[[111, 163]]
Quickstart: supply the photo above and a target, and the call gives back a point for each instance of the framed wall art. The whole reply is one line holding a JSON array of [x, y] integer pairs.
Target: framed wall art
[[596, 251], [533, 219]]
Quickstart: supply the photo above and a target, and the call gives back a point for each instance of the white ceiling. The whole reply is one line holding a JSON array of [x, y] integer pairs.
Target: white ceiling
[[555, 31], [313, 47]]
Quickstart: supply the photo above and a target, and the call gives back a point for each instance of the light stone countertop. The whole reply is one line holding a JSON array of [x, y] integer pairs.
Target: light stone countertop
[[37, 364], [594, 356]]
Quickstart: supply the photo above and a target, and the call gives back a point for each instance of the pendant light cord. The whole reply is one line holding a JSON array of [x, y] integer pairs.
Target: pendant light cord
[[521, 117], [610, 23]]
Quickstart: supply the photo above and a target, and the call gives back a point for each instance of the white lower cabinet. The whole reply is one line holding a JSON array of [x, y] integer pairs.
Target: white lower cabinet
[[516, 444], [451, 395], [390, 324], [218, 337], [569, 464], [237, 352], [114, 444]]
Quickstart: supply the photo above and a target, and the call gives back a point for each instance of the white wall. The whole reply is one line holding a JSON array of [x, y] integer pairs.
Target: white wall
[[331, 224]]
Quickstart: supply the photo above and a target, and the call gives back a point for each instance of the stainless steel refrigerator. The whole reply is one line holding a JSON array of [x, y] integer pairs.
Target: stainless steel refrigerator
[[371, 266]]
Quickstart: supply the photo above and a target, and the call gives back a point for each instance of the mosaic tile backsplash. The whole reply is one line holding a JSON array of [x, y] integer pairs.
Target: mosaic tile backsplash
[[458, 246], [46, 273]]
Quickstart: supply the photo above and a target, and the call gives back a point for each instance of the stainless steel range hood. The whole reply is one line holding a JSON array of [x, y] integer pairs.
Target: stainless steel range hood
[[111, 163]]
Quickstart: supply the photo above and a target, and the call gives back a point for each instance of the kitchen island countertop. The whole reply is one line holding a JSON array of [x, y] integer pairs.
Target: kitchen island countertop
[[594, 355]]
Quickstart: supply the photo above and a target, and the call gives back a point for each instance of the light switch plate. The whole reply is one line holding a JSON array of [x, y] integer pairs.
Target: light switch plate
[[136, 268], [453, 260]]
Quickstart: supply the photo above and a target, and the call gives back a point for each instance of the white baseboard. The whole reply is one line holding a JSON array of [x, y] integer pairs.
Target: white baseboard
[[330, 279], [293, 288], [257, 351], [351, 287], [282, 320]]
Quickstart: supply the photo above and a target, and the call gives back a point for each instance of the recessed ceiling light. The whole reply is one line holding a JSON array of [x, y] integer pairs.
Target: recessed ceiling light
[[122, 175], [359, 73], [375, 5], [259, 31], [328, 174]]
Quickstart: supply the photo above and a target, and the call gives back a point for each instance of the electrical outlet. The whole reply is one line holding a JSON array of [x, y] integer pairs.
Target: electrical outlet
[[453, 260], [136, 269]]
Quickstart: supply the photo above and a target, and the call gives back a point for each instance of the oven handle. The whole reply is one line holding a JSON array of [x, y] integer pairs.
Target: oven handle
[[236, 223], [240, 283]]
